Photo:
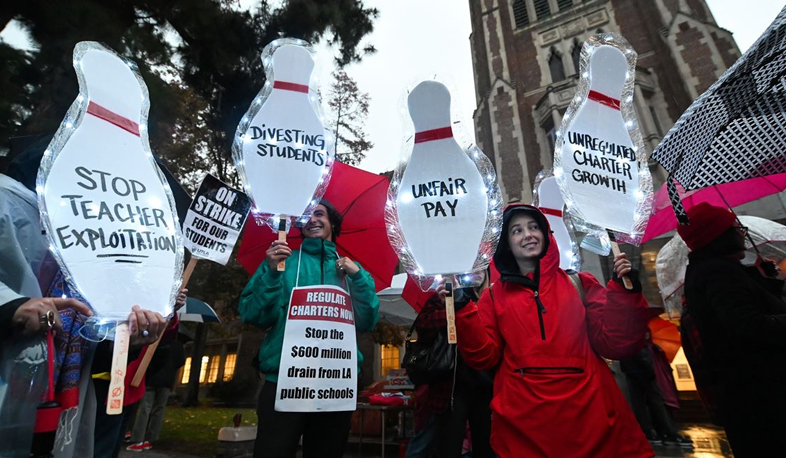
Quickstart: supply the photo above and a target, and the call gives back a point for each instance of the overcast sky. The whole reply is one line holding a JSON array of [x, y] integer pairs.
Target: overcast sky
[[416, 39]]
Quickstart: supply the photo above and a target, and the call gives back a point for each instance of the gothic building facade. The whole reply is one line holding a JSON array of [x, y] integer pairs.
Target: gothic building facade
[[526, 57]]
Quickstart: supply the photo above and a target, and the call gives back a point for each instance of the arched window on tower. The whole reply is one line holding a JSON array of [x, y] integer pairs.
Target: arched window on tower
[[556, 67], [576, 56], [520, 13]]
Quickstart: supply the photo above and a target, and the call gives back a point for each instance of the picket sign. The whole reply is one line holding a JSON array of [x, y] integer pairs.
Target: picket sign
[[599, 155]]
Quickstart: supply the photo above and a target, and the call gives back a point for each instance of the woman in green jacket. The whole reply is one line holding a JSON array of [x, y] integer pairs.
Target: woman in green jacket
[[265, 302]]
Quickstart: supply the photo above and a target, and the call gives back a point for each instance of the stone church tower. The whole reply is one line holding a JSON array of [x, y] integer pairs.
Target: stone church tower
[[526, 52]]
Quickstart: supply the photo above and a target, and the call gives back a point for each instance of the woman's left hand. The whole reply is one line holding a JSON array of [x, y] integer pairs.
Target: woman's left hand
[[144, 326], [622, 266], [347, 266]]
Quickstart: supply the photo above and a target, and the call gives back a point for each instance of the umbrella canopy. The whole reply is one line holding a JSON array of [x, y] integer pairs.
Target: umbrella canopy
[[198, 311], [393, 308], [666, 335], [672, 261], [737, 129], [733, 194], [360, 197]]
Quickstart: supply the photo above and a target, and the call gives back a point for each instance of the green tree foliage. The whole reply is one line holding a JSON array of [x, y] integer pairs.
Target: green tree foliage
[[349, 108]]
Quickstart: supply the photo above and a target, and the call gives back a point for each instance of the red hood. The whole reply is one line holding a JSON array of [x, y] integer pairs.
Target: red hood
[[503, 258]]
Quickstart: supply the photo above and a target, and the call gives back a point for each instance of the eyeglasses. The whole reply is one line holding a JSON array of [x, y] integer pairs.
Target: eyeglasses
[[742, 230]]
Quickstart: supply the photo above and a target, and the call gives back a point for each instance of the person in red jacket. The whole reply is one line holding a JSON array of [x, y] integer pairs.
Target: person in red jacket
[[545, 333]]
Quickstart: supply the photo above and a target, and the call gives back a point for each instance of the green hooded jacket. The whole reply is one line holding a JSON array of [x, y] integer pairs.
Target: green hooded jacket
[[265, 299]]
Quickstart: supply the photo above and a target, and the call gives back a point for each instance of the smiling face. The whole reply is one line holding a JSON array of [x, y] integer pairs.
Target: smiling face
[[318, 226], [525, 237]]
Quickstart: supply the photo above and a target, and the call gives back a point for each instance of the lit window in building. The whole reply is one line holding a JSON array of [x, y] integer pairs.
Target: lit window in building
[[542, 9], [556, 67], [576, 56], [520, 13], [564, 4], [186, 371], [390, 359], [215, 362], [203, 369], [229, 366]]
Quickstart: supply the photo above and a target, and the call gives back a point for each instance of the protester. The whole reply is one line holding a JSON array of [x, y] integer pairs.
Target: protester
[[423, 443], [160, 381], [647, 400], [264, 303], [457, 397], [742, 331], [545, 332]]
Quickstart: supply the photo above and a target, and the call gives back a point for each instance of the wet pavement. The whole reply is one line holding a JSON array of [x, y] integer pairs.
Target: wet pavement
[[708, 442]]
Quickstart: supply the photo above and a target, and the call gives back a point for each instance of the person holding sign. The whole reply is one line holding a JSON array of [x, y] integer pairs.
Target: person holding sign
[[309, 356], [546, 332]]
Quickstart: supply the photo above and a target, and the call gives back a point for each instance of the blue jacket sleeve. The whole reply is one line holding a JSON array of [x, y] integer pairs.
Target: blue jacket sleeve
[[364, 300], [261, 300]]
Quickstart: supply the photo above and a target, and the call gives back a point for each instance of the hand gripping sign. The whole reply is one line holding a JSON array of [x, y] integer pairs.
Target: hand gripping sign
[[548, 199], [107, 209], [318, 370], [599, 160], [282, 150], [444, 210]]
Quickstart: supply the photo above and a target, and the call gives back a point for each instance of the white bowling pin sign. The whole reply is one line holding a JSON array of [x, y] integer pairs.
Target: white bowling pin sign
[[107, 209], [548, 199], [600, 161], [282, 149], [444, 208]]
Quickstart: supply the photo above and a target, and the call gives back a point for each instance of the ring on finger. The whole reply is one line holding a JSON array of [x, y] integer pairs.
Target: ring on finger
[[47, 320]]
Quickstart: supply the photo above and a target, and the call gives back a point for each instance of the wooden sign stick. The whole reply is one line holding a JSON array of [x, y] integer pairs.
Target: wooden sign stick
[[615, 248], [282, 237], [450, 312], [151, 349], [114, 402]]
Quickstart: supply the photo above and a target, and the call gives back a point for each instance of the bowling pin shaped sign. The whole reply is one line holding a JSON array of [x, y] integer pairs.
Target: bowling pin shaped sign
[[444, 209], [599, 161], [282, 149], [107, 209], [548, 199]]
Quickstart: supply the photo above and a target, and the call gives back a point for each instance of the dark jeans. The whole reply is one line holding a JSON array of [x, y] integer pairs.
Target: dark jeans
[[468, 405], [109, 428], [324, 433], [649, 407]]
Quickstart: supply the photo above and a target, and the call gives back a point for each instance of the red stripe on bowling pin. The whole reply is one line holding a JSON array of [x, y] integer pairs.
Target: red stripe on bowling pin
[[290, 86], [434, 134], [551, 211], [603, 99], [113, 118]]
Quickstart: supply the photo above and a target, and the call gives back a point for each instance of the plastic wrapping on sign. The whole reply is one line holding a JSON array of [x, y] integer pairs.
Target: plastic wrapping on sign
[[22, 383], [627, 211], [110, 87], [465, 160], [251, 129]]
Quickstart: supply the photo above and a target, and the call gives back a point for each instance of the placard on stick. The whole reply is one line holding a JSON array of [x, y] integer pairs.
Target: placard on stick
[[107, 209], [282, 150], [444, 209], [599, 160], [214, 220]]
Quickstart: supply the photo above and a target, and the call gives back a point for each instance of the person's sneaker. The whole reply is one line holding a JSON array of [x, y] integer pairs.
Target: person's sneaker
[[147, 445], [654, 439], [127, 437], [682, 441], [139, 447]]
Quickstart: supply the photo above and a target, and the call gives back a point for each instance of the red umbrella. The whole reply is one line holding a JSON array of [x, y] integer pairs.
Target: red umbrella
[[734, 193], [360, 196], [666, 335]]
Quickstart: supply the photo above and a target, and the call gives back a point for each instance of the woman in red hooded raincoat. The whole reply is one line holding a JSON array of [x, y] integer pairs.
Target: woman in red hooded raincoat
[[554, 396]]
